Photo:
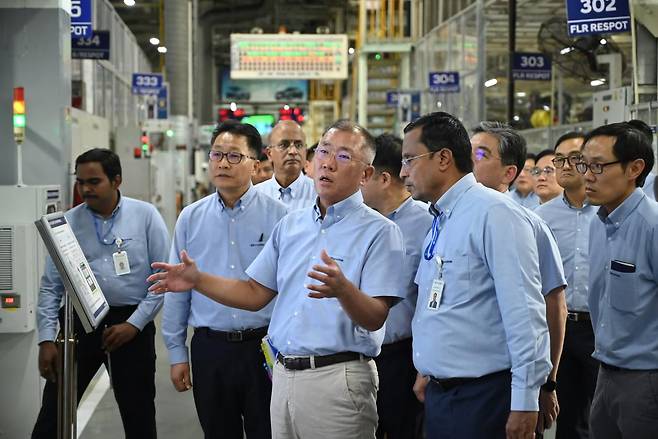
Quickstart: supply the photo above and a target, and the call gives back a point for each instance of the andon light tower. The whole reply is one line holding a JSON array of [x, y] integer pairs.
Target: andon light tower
[[19, 128]]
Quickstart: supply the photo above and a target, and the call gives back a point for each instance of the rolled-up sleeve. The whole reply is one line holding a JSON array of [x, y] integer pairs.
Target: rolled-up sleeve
[[50, 298]]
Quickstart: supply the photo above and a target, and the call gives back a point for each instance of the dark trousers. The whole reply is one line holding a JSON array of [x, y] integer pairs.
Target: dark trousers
[[399, 411], [576, 381], [231, 388], [625, 404], [133, 377], [475, 410]]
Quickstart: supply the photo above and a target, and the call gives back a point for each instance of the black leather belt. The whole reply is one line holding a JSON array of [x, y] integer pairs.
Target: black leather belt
[[446, 384], [302, 363], [578, 316], [233, 336]]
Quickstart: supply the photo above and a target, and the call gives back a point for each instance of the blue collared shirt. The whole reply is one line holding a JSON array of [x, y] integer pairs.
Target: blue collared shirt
[[623, 283], [300, 193], [492, 315], [648, 187], [571, 227], [222, 241], [414, 221], [144, 238], [369, 250], [530, 201]]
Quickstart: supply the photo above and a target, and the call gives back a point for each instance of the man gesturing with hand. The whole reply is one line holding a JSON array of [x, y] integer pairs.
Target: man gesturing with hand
[[333, 268]]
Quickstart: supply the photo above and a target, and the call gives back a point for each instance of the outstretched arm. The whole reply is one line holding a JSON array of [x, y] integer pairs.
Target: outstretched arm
[[243, 294]]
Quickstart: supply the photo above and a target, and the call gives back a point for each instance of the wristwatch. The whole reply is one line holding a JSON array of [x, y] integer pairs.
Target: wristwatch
[[549, 386]]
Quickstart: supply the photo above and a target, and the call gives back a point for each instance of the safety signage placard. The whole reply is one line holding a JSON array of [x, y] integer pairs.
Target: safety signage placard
[[531, 66], [96, 47], [444, 82], [392, 98], [81, 18], [146, 83], [586, 17]]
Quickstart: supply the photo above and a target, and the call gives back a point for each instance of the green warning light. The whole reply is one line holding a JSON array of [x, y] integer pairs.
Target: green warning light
[[378, 56], [19, 120], [170, 133]]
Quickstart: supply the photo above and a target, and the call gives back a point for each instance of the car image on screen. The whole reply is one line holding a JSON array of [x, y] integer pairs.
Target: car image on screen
[[289, 93]]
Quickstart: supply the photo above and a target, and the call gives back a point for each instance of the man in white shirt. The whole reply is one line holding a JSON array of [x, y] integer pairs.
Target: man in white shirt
[[287, 151]]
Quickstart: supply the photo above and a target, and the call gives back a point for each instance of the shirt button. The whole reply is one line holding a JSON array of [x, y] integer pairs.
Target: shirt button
[[232, 220], [295, 313], [234, 316], [576, 268], [577, 249], [105, 259], [288, 341], [609, 238], [232, 242], [579, 230], [323, 231], [232, 266], [104, 222], [418, 354]]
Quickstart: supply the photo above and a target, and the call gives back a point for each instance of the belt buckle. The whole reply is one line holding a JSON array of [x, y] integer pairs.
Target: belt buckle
[[234, 336], [572, 316]]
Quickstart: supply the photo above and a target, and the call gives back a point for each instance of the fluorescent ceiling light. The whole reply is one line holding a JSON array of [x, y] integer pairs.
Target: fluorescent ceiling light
[[597, 82], [491, 82], [162, 49], [566, 50], [154, 41], [129, 2]]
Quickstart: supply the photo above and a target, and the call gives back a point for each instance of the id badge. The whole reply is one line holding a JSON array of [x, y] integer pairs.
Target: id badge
[[435, 294], [121, 264]]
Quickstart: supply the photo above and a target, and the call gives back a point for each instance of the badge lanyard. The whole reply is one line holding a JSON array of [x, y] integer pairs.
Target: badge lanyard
[[101, 239], [431, 247]]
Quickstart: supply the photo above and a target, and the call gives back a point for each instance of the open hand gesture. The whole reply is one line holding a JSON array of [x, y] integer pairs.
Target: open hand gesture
[[334, 282], [174, 277]]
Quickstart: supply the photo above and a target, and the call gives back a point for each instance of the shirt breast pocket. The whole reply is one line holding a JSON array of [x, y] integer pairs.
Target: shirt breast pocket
[[622, 287], [457, 280]]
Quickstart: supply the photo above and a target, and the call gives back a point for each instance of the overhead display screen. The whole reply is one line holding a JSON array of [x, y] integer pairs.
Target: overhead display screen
[[288, 56]]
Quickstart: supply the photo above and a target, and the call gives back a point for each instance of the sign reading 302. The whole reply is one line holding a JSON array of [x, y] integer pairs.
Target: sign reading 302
[[586, 17]]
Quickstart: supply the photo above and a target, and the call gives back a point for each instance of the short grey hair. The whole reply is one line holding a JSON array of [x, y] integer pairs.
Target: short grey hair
[[368, 146]]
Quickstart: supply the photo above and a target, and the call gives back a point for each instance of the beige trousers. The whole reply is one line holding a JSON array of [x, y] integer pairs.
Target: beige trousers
[[332, 402]]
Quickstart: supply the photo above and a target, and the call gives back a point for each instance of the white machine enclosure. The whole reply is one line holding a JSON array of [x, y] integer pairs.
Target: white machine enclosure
[[23, 257]]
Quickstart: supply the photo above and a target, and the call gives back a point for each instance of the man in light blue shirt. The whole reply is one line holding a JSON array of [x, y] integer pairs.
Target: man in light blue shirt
[[224, 232], [498, 154], [397, 406], [287, 151], [569, 217], [623, 280], [485, 344], [105, 225], [335, 270], [523, 190]]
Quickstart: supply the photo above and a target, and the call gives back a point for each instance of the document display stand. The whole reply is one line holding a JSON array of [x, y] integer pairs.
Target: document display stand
[[82, 293]]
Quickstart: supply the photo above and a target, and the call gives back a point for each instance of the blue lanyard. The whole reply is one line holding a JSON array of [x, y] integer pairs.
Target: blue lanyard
[[429, 250], [101, 239]]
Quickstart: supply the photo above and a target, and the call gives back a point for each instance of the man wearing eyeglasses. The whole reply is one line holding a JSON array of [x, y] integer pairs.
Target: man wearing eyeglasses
[[287, 151], [498, 154], [546, 186], [623, 280], [484, 346], [334, 268], [224, 232], [523, 191], [569, 217]]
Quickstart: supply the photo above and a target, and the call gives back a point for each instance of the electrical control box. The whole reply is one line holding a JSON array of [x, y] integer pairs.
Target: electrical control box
[[22, 254]]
